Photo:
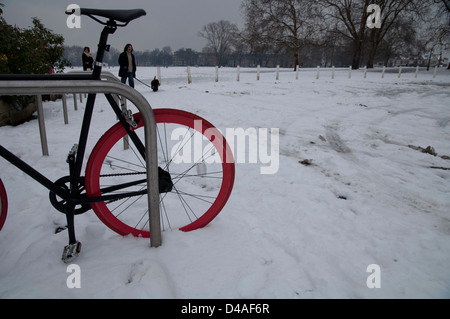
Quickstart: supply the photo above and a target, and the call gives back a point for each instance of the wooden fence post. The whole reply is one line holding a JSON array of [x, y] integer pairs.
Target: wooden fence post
[[189, 75], [75, 104], [159, 75], [40, 111], [66, 116]]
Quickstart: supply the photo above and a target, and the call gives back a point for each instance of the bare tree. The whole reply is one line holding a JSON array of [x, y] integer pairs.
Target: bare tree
[[351, 17], [220, 37], [446, 4], [281, 23], [437, 31], [391, 11], [444, 29], [402, 39]]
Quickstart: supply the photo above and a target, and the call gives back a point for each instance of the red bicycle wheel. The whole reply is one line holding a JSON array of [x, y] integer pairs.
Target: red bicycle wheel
[[190, 149], [3, 204]]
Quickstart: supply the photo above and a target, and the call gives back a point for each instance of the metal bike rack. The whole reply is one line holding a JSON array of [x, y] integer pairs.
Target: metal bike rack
[[36, 87]]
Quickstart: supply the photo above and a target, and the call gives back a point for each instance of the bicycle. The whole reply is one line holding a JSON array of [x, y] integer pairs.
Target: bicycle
[[115, 184]]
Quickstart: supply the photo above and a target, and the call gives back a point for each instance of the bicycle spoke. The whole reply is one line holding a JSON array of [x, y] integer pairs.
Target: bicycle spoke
[[185, 205], [108, 162]]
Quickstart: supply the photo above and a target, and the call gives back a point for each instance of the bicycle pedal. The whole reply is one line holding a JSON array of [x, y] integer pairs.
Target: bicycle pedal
[[71, 252], [72, 153], [128, 115]]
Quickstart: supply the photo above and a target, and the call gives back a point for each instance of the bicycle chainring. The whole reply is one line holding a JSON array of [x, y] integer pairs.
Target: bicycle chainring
[[61, 204]]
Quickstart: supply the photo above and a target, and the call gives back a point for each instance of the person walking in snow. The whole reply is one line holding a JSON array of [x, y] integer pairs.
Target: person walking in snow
[[127, 63]]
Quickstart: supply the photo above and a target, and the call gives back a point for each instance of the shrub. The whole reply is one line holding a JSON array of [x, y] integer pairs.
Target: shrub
[[35, 50]]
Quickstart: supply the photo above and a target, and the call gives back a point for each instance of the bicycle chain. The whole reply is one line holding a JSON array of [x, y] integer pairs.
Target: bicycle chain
[[124, 174], [121, 174]]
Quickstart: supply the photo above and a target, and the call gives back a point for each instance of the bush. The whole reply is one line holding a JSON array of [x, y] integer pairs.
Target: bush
[[36, 50]]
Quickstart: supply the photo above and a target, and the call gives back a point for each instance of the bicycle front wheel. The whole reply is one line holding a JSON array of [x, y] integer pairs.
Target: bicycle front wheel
[[3, 204], [190, 149]]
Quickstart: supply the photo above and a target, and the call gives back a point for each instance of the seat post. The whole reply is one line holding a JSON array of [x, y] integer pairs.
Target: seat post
[[110, 28]]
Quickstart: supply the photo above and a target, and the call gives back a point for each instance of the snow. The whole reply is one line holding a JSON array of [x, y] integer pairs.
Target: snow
[[308, 231]]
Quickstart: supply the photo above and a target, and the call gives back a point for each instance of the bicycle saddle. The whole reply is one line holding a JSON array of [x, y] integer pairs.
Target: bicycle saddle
[[124, 16]]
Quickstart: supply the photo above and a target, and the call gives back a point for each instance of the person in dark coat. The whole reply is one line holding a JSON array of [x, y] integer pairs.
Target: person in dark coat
[[127, 64], [88, 60]]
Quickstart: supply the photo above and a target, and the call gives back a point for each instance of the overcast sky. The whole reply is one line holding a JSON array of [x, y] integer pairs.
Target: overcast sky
[[173, 23]]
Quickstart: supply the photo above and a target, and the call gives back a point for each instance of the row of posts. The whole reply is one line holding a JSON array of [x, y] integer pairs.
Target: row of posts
[[277, 77], [45, 151], [41, 120], [40, 111]]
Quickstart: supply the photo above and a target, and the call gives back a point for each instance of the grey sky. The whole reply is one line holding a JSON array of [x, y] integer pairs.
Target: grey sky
[[173, 23]]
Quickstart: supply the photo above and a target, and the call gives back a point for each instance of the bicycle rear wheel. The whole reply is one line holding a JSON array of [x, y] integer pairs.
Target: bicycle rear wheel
[[190, 149], [3, 204]]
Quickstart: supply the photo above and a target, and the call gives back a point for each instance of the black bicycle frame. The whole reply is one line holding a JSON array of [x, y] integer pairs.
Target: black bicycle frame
[[72, 197]]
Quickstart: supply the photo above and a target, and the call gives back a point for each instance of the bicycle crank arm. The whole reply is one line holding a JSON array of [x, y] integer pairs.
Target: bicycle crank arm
[[105, 198], [123, 186]]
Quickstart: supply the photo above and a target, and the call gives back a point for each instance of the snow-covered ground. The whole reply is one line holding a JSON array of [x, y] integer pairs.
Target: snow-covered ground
[[353, 189]]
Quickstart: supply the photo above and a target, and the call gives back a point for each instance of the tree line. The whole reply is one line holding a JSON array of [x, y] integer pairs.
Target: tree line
[[340, 32], [314, 32]]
